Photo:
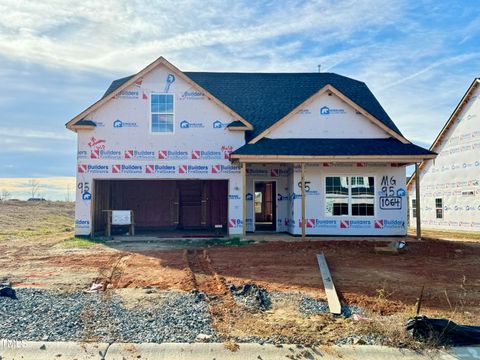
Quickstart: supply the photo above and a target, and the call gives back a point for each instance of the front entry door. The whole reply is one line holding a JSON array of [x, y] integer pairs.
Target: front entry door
[[265, 206]]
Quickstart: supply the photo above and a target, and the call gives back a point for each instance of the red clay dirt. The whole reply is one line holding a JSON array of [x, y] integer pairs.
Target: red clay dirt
[[449, 270], [44, 254]]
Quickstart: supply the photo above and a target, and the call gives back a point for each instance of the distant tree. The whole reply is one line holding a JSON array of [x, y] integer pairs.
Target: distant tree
[[5, 195], [34, 186]]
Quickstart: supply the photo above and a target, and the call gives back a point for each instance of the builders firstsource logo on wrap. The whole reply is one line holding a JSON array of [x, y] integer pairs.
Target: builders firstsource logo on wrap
[[105, 154], [82, 224], [389, 224], [172, 155], [235, 223], [319, 223], [127, 169], [206, 155], [92, 169], [139, 154], [160, 169], [225, 169], [193, 169], [191, 95]]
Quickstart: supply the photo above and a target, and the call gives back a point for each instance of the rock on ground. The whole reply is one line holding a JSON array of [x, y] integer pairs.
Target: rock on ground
[[48, 316]]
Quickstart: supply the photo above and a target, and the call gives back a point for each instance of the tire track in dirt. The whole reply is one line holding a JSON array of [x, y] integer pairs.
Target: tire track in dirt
[[232, 320], [111, 274], [202, 274]]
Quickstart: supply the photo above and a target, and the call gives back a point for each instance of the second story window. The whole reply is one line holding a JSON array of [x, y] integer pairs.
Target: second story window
[[162, 113]]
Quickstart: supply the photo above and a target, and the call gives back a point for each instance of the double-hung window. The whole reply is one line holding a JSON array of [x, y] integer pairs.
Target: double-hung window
[[162, 113], [362, 195], [336, 195], [414, 208], [350, 196]]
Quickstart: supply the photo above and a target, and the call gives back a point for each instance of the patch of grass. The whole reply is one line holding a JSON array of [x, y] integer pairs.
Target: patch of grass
[[78, 242], [234, 241], [26, 220], [446, 234]]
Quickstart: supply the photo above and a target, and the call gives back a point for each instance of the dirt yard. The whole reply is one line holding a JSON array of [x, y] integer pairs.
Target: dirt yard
[[38, 250]]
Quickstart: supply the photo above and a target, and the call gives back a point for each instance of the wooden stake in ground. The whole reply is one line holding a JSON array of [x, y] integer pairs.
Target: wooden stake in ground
[[332, 297]]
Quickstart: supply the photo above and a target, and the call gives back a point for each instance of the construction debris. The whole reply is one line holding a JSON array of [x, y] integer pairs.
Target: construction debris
[[199, 296], [395, 247], [95, 287], [357, 317], [7, 291], [203, 338], [251, 296], [332, 297], [443, 332]]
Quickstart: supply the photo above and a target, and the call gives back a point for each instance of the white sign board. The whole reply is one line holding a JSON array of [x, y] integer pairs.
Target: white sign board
[[121, 217]]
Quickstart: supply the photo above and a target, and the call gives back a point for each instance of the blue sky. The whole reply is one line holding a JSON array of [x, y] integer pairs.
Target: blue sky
[[418, 58]]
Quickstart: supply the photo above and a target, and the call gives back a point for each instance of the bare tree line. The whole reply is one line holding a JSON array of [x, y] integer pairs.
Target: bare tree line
[[5, 195], [34, 190]]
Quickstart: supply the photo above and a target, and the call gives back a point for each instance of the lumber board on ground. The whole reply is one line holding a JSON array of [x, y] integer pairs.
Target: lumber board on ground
[[332, 297]]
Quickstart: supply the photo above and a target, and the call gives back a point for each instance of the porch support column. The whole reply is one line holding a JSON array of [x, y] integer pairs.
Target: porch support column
[[244, 199], [417, 201], [302, 180]]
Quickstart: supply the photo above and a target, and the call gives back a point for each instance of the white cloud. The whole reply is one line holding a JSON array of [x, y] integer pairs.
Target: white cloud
[[406, 51], [35, 134], [123, 35]]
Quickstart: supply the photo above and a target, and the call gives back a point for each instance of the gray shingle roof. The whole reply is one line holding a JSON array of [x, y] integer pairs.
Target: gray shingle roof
[[264, 98], [236, 123], [85, 122], [331, 147], [116, 84]]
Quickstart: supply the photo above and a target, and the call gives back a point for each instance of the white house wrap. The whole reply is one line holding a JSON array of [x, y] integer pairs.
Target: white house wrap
[[450, 185], [171, 146]]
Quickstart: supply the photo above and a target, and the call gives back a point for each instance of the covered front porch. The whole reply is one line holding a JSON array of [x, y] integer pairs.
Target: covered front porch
[[327, 187]]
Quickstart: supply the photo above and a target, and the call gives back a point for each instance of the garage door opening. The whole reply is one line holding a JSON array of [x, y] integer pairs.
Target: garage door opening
[[171, 207]]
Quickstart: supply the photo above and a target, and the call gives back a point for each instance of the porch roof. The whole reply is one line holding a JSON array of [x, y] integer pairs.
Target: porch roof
[[322, 148]]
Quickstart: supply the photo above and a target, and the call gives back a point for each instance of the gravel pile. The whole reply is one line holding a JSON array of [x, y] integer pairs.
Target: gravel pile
[[309, 306], [253, 297], [48, 316]]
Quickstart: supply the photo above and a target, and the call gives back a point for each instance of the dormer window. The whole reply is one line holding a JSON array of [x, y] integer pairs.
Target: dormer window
[[161, 113]]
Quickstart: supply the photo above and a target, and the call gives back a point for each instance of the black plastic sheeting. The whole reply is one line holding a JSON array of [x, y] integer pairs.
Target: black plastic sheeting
[[443, 332], [7, 291]]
